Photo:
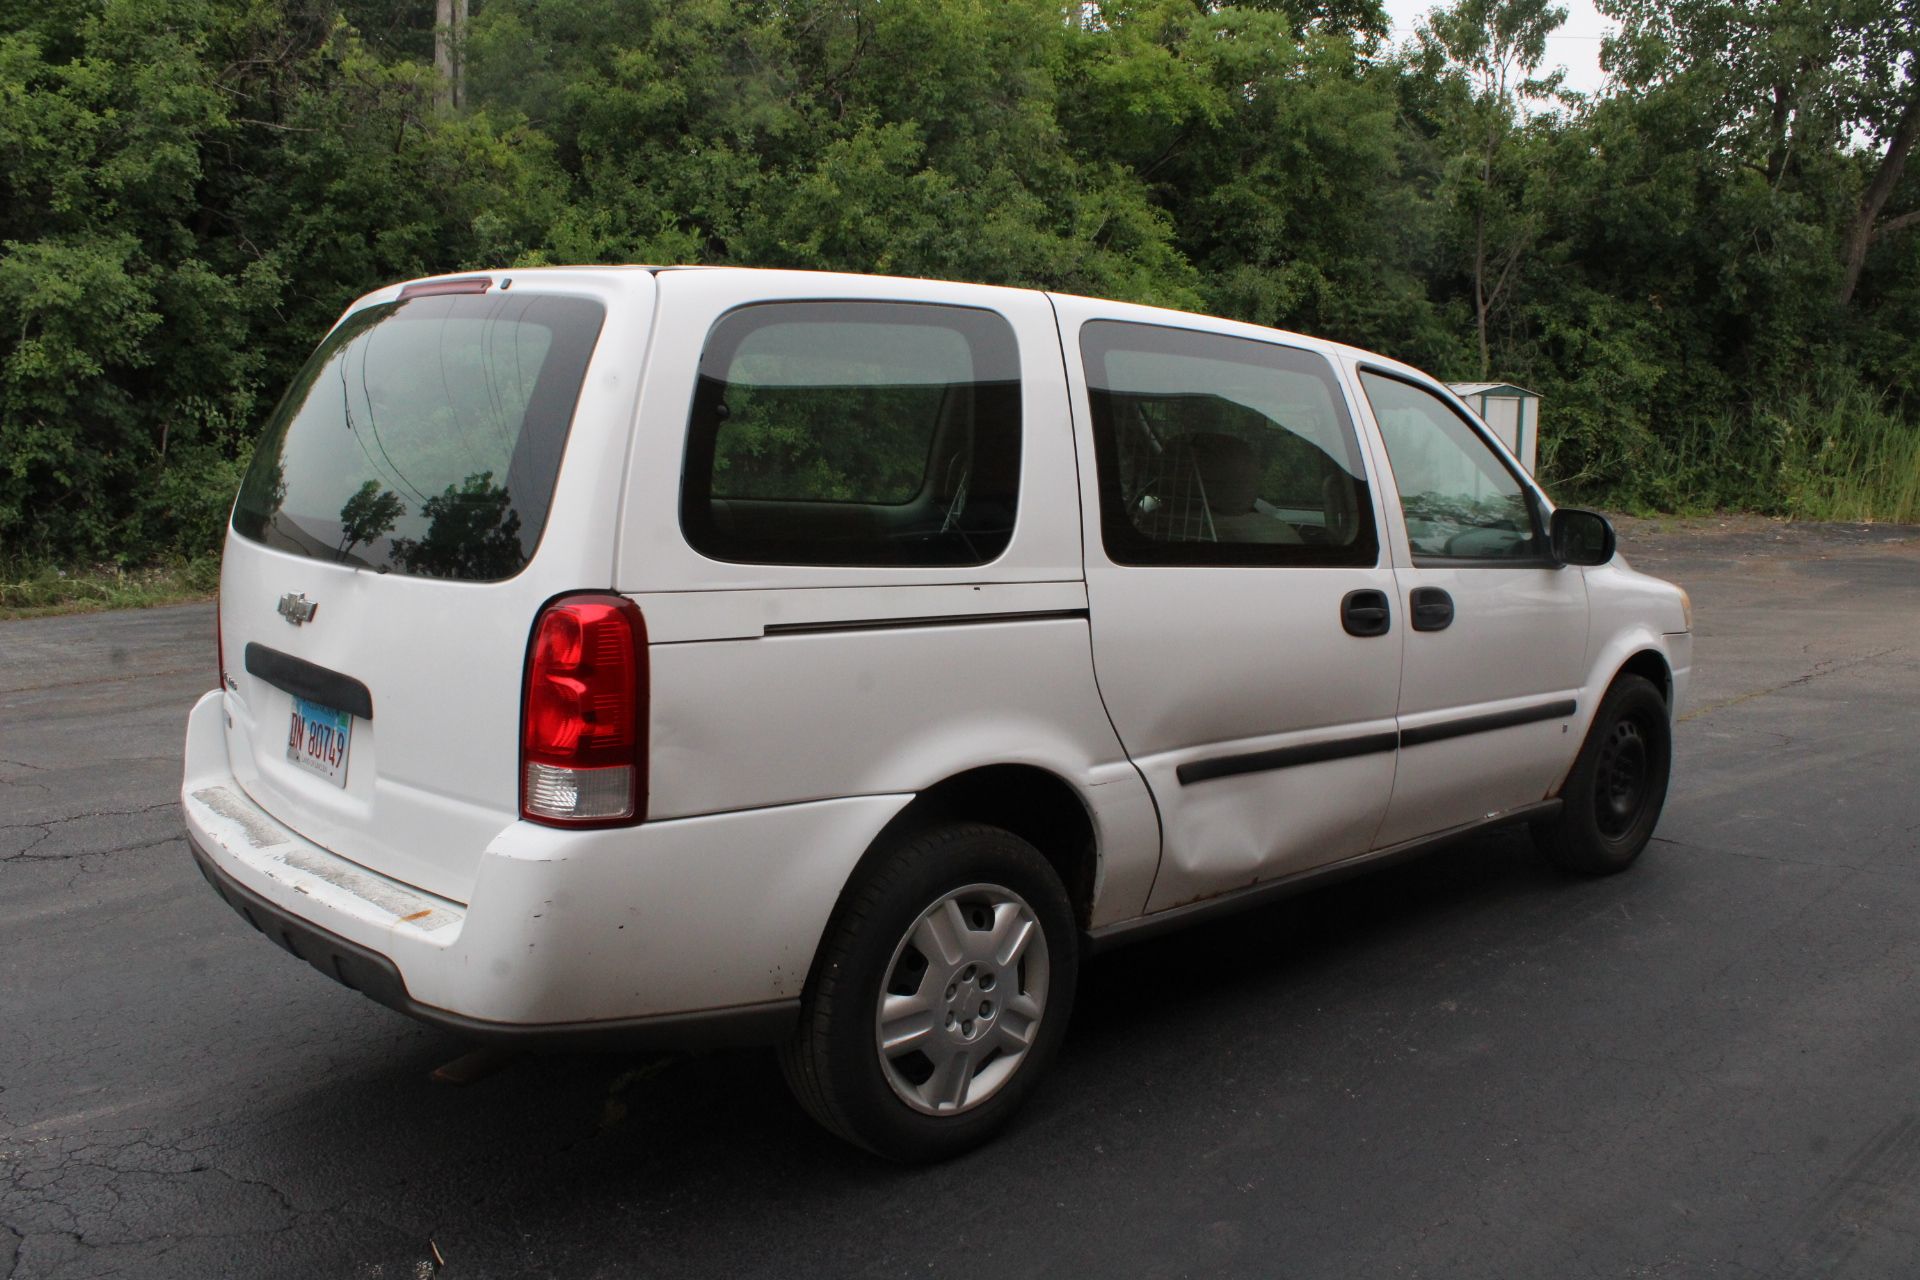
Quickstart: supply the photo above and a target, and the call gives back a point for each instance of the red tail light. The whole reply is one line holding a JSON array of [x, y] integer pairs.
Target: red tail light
[[583, 726]]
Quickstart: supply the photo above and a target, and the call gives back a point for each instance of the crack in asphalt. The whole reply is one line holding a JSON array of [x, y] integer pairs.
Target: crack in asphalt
[[43, 831], [35, 783], [25, 855], [47, 831], [81, 817], [1831, 666], [28, 855], [117, 1166]]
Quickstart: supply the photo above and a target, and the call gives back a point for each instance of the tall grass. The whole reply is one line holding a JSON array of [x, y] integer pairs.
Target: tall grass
[[1847, 456], [1838, 450]]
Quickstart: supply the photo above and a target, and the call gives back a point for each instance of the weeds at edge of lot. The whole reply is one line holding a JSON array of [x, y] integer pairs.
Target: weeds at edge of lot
[[1848, 457], [31, 590]]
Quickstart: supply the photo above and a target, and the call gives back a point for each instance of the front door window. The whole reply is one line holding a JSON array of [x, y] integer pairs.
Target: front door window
[[1460, 501]]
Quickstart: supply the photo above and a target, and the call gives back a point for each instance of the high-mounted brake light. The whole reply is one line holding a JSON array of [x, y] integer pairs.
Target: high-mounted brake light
[[458, 284], [583, 725]]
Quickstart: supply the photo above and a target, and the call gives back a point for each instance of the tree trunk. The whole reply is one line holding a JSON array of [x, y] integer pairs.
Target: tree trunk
[[1480, 289], [460, 9], [1861, 234], [444, 95], [1777, 138], [1482, 304]]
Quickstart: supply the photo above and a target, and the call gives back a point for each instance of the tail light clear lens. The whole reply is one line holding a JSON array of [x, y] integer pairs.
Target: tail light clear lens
[[219, 647], [583, 744]]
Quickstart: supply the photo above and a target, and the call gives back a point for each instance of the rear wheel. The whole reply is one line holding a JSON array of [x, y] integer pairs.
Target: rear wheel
[[940, 996], [1617, 786]]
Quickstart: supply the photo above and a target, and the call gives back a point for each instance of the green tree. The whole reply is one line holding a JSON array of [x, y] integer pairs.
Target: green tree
[[194, 190], [1795, 86], [1493, 47]]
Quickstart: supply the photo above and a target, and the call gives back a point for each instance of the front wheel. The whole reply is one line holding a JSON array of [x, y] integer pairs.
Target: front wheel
[[1617, 786], [940, 995]]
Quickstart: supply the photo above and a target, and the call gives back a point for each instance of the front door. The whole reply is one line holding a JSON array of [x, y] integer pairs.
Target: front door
[[1497, 634], [1244, 636]]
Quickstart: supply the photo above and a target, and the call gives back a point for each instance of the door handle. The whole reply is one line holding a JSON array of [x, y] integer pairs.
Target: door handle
[[1366, 613], [1432, 609]]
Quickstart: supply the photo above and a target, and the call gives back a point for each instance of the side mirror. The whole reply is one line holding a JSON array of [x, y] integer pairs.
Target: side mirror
[[1580, 537]]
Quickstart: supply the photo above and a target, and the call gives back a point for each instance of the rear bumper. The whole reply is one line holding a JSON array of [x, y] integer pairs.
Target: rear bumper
[[376, 976], [687, 933]]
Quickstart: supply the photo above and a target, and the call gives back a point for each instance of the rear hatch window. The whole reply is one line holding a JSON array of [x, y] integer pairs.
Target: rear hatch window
[[424, 436]]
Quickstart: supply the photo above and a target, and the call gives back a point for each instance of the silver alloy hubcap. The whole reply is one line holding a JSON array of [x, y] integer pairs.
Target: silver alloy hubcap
[[962, 1000]]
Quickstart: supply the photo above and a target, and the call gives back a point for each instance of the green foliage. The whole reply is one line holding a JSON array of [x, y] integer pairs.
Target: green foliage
[[195, 188], [1845, 456], [194, 191], [34, 588]]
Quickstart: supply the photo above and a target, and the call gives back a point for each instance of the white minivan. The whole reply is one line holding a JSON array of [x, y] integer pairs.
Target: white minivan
[[688, 656]]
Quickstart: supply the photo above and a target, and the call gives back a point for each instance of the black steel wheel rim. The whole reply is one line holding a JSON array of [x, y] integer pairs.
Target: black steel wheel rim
[[1622, 778]]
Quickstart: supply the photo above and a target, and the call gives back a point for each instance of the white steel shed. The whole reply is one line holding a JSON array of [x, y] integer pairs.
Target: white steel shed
[[1513, 413]]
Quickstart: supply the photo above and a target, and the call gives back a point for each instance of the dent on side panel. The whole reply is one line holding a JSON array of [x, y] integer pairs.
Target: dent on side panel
[[1212, 848], [1127, 833]]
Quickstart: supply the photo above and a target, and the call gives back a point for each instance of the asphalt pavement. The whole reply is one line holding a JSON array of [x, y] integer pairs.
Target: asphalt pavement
[[1468, 1066]]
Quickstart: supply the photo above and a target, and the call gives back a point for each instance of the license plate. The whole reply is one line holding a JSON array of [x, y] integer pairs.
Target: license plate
[[317, 740]]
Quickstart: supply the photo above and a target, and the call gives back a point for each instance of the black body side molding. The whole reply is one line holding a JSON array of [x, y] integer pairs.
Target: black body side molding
[[1286, 757], [1368, 743], [931, 620], [1561, 710]]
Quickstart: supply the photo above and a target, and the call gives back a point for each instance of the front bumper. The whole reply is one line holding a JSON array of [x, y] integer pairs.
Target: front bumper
[[684, 933], [1680, 663]]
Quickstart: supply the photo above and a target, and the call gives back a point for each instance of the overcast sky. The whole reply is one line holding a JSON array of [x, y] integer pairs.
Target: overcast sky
[[1575, 46]]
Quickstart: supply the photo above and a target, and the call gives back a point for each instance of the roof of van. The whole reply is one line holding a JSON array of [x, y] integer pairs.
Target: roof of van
[[1325, 345]]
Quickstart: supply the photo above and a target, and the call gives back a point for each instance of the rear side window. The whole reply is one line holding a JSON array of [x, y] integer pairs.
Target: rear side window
[[424, 436], [1217, 450], [854, 433]]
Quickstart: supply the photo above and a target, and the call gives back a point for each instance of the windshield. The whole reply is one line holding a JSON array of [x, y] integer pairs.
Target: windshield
[[424, 436]]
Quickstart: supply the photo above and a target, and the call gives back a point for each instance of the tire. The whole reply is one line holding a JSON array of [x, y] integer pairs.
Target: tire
[[1618, 784], [982, 1021]]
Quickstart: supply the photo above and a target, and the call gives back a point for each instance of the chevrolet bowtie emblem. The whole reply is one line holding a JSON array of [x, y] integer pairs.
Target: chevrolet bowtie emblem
[[297, 608]]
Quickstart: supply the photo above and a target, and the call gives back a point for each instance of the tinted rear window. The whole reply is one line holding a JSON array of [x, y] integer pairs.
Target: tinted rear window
[[425, 436]]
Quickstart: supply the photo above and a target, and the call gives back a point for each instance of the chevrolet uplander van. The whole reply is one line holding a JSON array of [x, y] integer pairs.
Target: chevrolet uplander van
[[695, 656]]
